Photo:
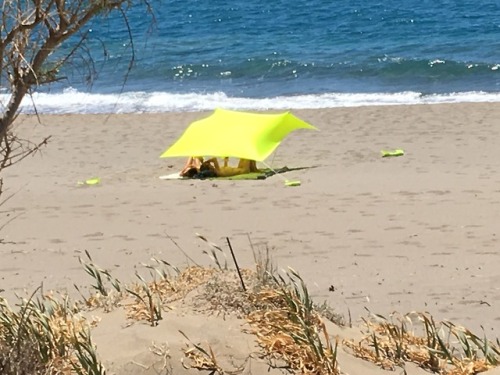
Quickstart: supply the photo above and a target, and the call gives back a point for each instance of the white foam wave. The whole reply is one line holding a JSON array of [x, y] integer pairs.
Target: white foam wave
[[72, 101]]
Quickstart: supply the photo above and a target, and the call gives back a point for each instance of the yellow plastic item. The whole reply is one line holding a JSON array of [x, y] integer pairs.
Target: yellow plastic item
[[292, 183], [389, 153], [237, 134], [90, 181], [93, 181]]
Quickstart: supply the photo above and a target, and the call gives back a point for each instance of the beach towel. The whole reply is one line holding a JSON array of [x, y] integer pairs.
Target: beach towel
[[261, 175]]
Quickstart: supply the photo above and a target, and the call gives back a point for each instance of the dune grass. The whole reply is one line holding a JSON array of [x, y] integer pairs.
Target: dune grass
[[439, 347], [48, 334], [290, 329]]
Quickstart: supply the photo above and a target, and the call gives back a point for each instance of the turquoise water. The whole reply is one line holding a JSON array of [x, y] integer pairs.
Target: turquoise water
[[258, 54]]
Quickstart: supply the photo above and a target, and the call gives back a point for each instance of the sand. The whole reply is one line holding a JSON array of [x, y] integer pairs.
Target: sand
[[417, 232]]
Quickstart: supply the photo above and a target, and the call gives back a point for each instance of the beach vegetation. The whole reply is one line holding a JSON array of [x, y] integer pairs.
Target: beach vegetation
[[48, 334], [200, 358], [290, 329], [439, 347]]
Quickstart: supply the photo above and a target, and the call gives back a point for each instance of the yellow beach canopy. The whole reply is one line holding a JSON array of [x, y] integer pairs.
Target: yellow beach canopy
[[237, 134]]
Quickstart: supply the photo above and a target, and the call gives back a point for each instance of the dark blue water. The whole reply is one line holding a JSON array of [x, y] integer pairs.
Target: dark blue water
[[260, 53]]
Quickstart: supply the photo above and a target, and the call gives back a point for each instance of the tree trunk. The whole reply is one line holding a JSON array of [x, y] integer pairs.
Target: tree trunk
[[10, 114]]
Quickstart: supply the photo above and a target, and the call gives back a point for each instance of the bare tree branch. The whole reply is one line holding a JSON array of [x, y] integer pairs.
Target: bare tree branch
[[30, 32]]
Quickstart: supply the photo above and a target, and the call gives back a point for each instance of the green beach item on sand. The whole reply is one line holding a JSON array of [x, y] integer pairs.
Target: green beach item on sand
[[269, 172], [390, 153], [261, 175]]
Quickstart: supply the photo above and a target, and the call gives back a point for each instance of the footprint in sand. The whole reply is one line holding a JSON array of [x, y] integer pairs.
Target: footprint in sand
[[94, 235]]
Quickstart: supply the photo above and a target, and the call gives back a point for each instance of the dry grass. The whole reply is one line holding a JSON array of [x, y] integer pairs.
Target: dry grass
[[45, 336], [49, 335], [200, 358], [290, 330], [442, 348], [152, 297]]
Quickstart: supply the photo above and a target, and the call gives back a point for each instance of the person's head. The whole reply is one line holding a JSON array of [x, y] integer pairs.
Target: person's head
[[191, 172], [207, 170]]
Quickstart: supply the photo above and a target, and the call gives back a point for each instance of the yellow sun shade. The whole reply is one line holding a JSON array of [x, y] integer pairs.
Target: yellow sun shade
[[237, 134]]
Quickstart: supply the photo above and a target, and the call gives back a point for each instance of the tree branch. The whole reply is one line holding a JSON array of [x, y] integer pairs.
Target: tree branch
[[31, 31]]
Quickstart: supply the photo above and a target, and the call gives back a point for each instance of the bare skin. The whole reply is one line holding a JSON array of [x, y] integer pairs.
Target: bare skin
[[192, 162], [250, 164], [244, 166]]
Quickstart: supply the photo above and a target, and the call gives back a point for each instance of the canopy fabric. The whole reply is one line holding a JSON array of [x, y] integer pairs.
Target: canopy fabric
[[237, 134]]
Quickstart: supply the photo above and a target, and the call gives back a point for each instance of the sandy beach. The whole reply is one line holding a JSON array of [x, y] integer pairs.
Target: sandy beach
[[417, 232]]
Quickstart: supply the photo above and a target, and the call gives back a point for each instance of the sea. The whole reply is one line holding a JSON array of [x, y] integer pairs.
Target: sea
[[197, 55]]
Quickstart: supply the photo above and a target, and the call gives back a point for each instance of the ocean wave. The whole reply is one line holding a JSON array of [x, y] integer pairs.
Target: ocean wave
[[264, 50], [435, 69], [265, 76], [71, 101], [275, 67]]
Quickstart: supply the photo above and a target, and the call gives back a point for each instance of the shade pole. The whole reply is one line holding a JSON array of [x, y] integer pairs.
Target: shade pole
[[275, 172], [236, 264]]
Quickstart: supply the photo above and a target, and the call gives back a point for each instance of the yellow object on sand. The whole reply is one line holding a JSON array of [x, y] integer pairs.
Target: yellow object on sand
[[93, 181], [90, 181], [389, 153], [292, 183], [245, 135]]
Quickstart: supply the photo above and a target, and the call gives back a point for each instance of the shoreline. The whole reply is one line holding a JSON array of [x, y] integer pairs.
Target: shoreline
[[138, 102], [417, 232]]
